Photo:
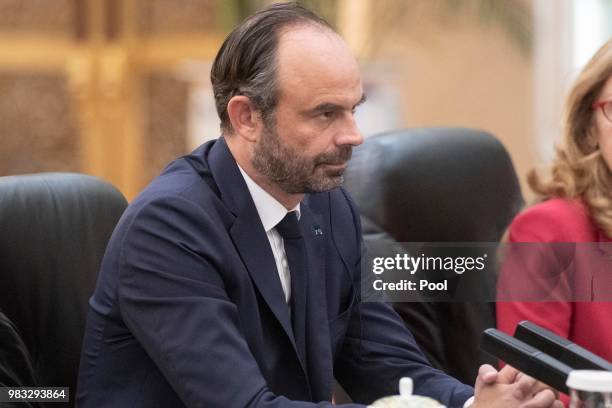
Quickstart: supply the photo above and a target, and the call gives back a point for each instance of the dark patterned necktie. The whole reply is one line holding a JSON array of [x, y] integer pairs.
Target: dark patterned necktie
[[295, 249]]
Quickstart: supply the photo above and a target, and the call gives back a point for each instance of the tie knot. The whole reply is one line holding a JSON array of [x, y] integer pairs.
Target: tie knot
[[289, 227]]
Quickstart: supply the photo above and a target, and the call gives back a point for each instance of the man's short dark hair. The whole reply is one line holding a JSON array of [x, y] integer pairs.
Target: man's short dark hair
[[246, 62]]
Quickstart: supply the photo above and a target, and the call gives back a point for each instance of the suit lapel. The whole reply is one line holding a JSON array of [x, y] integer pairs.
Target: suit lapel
[[254, 249], [315, 314], [248, 233]]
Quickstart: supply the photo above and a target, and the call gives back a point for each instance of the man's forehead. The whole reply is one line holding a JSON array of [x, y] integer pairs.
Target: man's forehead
[[309, 40], [315, 57]]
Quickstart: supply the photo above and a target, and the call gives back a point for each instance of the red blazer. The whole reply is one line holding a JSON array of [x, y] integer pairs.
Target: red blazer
[[585, 323]]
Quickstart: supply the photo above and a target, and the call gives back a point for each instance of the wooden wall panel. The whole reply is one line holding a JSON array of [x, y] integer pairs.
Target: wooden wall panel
[[38, 130], [165, 135], [48, 17], [156, 17]]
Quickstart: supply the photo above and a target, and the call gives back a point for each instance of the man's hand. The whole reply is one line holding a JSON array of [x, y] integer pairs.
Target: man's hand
[[511, 388]]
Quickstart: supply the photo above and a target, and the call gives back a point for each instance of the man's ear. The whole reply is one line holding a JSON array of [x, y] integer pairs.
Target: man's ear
[[245, 119]]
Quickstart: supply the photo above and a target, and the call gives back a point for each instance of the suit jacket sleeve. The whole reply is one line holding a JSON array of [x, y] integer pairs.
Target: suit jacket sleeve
[[378, 350], [172, 297]]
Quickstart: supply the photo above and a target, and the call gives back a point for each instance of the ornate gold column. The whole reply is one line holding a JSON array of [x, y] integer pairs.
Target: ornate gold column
[[104, 76]]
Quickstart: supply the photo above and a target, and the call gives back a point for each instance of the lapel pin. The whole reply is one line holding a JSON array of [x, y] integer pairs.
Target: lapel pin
[[318, 231]]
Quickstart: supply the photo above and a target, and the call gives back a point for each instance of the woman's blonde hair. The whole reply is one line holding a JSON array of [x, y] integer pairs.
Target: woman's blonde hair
[[578, 170]]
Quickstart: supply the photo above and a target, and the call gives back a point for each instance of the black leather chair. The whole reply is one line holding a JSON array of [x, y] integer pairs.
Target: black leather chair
[[437, 185], [15, 362], [54, 228]]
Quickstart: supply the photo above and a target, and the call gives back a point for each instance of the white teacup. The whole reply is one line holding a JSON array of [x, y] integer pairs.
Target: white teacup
[[406, 399]]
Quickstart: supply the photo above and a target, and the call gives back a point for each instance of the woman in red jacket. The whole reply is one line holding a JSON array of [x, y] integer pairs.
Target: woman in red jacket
[[575, 206]]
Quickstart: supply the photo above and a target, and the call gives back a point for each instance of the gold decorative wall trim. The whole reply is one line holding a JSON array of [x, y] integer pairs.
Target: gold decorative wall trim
[[34, 52]]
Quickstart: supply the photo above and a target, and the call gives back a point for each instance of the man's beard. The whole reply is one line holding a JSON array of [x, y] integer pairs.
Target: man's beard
[[293, 172]]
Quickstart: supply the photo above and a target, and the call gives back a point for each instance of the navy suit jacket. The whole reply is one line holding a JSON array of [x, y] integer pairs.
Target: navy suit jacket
[[189, 310]]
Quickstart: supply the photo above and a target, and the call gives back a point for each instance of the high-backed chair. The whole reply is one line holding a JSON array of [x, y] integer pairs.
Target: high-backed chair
[[15, 361], [54, 228], [437, 185]]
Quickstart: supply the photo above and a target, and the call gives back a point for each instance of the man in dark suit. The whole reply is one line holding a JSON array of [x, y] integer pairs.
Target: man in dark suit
[[233, 279]]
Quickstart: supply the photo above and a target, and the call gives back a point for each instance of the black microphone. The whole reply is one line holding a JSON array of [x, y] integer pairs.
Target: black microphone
[[525, 358], [557, 347]]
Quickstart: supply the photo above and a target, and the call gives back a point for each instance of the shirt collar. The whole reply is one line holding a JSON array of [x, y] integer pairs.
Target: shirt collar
[[270, 211]]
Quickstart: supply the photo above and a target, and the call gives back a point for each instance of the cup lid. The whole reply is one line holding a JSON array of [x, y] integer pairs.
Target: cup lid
[[590, 380]]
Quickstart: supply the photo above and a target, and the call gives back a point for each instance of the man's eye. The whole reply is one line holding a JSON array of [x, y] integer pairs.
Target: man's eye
[[327, 114]]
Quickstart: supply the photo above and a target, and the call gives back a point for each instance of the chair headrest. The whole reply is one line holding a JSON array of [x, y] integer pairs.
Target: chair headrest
[[435, 184], [54, 228]]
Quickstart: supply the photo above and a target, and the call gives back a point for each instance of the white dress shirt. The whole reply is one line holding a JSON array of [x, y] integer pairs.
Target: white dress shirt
[[271, 212]]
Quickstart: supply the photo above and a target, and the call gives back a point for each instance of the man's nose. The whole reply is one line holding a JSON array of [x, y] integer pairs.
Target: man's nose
[[350, 134]]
